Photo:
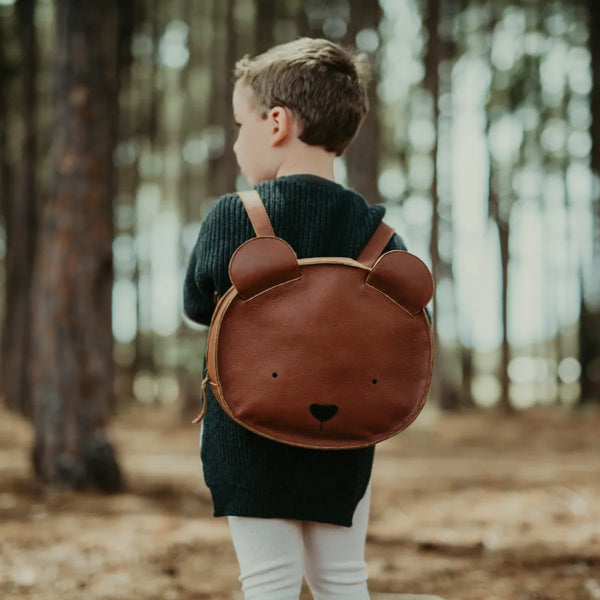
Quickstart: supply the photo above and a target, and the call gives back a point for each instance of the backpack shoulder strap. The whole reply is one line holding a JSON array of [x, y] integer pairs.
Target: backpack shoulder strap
[[262, 227], [376, 245], [257, 213]]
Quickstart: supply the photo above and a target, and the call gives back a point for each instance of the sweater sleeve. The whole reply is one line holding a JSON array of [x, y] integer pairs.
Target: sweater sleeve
[[198, 286], [223, 229]]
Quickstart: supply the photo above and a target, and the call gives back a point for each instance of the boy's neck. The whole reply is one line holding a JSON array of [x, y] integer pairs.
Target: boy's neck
[[311, 160]]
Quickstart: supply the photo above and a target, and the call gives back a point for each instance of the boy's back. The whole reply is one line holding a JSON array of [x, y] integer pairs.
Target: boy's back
[[317, 217]]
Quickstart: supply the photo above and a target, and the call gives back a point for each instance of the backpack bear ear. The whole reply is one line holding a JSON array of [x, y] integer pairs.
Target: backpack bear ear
[[262, 263], [404, 278]]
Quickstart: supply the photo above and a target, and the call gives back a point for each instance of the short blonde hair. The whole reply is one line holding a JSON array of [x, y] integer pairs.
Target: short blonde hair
[[323, 84]]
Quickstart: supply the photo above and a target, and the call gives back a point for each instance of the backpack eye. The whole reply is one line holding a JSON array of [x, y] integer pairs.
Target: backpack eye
[[374, 381], [274, 375]]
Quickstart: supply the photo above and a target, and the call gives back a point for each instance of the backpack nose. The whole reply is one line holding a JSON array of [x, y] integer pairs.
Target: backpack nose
[[323, 412]]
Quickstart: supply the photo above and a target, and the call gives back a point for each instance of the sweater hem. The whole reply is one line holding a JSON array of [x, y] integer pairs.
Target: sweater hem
[[325, 518], [319, 510]]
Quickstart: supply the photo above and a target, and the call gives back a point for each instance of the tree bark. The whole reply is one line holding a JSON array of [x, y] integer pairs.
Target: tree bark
[[21, 226], [589, 324], [264, 24], [362, 156], [445, 389], [72, 374], [504, 236], [504, 239], [432, 84], [498, 174], [222, 169]]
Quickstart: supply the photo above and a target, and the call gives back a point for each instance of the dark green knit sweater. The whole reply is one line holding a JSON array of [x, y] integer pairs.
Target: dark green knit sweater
[[249, 475]]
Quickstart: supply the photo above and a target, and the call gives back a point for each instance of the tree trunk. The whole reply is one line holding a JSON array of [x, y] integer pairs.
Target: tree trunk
[[72, 374], [8, 71], [21, 226], [498, 174], [362, 156], [503, 237], [150, 107], [222, 169], [432, 84], [445, 389], [126, 176], [589, 330], [264, 24], [504, 232], [189, 380]]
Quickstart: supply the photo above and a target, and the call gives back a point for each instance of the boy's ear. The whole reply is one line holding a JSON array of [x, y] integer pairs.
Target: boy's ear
[[281, 121]]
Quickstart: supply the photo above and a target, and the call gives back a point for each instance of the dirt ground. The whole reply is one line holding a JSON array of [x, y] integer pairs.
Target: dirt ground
[[465, 507]]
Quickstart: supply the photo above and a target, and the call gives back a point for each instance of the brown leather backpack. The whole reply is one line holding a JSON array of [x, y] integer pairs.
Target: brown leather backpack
[[320, 352]]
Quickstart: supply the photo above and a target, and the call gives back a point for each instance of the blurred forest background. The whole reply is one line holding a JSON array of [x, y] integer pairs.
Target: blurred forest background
[[116, 136], [483, 141]]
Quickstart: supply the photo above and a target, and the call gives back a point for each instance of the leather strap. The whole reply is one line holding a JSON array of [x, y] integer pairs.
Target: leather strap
[[257, 213], [262, 227], [376, 245], [203, 399]]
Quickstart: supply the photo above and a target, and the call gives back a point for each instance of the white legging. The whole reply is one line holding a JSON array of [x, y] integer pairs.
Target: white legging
[[273, 553]]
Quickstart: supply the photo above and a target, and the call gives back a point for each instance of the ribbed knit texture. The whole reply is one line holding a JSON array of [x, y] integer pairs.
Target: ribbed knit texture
[[249, 475]]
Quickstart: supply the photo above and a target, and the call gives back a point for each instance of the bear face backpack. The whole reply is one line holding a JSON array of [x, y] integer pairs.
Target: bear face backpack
[[328, 352]]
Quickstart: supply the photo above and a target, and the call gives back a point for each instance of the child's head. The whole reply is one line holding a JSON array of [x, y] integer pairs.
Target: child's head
[[314, 89]]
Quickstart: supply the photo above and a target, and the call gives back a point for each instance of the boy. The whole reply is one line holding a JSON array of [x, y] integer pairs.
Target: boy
[[297, 106]]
